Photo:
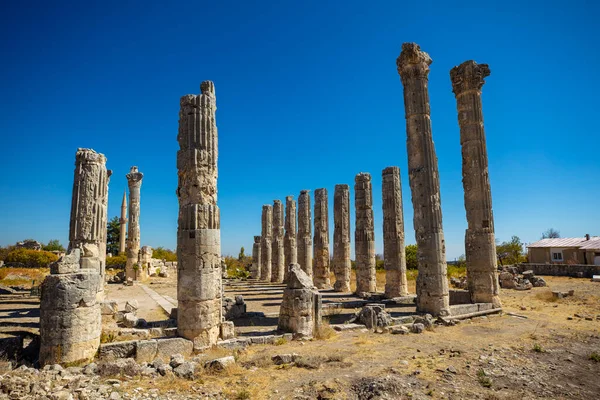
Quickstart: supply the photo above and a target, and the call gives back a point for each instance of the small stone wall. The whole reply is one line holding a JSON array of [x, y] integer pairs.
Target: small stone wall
[[574, 270]]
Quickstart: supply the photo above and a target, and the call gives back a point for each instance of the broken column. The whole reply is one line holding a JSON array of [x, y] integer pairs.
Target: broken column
[[393, 234], [482, 276], [123, 225], [305, 253], [364, 235], [321, 241], [266, 255], [341, 238], [132, 269], [432, 284], [289, 240], [277, 253], [300, 311], [199, 226], [70, 315], [255, 268]]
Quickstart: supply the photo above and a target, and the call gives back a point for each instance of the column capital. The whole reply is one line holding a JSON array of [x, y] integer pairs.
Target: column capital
[[134, 177], [468, 76], [412, 62]]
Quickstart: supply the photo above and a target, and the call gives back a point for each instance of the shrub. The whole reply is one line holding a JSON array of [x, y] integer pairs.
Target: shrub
[[31, 258], [116, 261], [164, 254], [595, 356]]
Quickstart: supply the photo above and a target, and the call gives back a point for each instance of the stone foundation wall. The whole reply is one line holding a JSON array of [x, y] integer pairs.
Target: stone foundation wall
[[575, 270]]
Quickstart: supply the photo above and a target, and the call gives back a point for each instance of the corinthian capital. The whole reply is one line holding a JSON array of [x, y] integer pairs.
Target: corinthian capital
[[468, 76], [412, 62], [134, 177]]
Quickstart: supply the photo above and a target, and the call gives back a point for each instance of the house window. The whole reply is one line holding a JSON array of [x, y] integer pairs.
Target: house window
[[557, 256]]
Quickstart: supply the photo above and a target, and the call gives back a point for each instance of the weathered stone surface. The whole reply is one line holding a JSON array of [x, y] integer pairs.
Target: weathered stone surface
[[300, 307], [256, 255], [321, 241], [185, 370], [304, 244], [364, 234], [167, 347], [266, 243], [176, 360], [112, 351], [290, 248], [342, 265], [123, 225], [277, 248], [227, 330], [219, 364], [396, 284], [131, 306], [432, 284], [374, 316], [399, 330], [199, 226], [417, 328], [146, 351], [467, 82], [123, 366], [130, 320], [133, 269], [281, 359], [70, 312], [109, 307]]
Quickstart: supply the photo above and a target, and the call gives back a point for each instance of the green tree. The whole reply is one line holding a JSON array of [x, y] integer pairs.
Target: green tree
[[241, 256], [410, 252], [511, 252], [54, 245], [164, 254], [551, 233], [4, 251], [379, 262], [113, 236], [31, 258]]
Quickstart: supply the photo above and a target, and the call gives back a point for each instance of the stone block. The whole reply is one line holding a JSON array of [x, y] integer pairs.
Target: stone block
[[146, 351], [219, 364], [227, 330], [131, 306], [130, 320], [177, 345], [109, 307], [113, 351]]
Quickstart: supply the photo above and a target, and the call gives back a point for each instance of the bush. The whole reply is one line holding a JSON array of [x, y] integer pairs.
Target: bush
[[164, 254], [116, 261], [31, 258], [238, 268]]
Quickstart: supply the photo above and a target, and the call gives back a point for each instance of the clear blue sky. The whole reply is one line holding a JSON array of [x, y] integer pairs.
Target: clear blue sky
[[308, 96]]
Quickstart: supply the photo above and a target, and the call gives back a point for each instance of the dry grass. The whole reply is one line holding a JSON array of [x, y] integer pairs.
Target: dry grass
[[26, 276], [324, 331]]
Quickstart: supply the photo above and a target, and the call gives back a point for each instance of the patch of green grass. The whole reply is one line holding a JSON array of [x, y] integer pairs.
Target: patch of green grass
[[280, 341], [538, 348], [242, 395], [595, 356], [483, 379]]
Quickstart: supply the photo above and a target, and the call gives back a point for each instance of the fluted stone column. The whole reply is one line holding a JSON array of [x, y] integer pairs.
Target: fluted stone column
[[393, 234], [70, 317], [305, 244], [482, 276], [321, 241], [432, 284], [133, 270], [364, 235], [278, 255], [289, 240], [266, 255], [199, 229], [255, 269], [123, 225], [342, 266]]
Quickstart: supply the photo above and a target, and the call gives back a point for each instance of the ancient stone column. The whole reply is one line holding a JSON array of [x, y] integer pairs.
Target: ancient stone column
[[482, 276], [132, 269], [321, 241], [432, 284], [266, 243], [255, 269], [393, 234], [70, 317], [199, 226], [305, 252], [364, 235], [301, 305], [341, 238], [289, 240], [123, 224], [277, 252]]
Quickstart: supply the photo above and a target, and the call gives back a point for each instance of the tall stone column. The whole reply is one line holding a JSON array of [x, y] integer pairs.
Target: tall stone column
[[482, 276], [70, 317], [123, 224], [305, 244], [432, 283], [132, 269], [393, 234], [342, 266], [199, 225], [364, 234], [255, 272], [278, 255], [266, 243], [321, 241], [289, 240]]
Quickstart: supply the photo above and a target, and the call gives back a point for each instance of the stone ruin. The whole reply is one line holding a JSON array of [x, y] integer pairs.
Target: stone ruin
[[133, 269], [300, 308]]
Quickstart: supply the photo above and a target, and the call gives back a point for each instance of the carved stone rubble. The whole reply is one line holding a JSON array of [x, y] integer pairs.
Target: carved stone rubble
[[342, 265], [364, 235], [199, 228], [432, 284], [305, 244], [70, 314], [289, 240], [278, 255], [266, 255], [300, 311], [133, 269], [256, 253], [321, 241], [482, 276]]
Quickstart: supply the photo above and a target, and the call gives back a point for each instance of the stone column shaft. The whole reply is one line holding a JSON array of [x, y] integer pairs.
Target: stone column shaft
[[278, 255], [123, 225], [133, 270], [432, 283], [266, 243], [364, 235], [256, 250], [482, 273], [393, 234], [289, 240], [305, 244], [321, 276], [342, 265], [199, 229]]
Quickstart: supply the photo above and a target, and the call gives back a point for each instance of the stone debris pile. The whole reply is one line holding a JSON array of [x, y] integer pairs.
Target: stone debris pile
[[511, 279]]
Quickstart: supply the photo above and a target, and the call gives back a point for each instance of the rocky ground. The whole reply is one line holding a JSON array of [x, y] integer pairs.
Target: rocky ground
[[548, 348]]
